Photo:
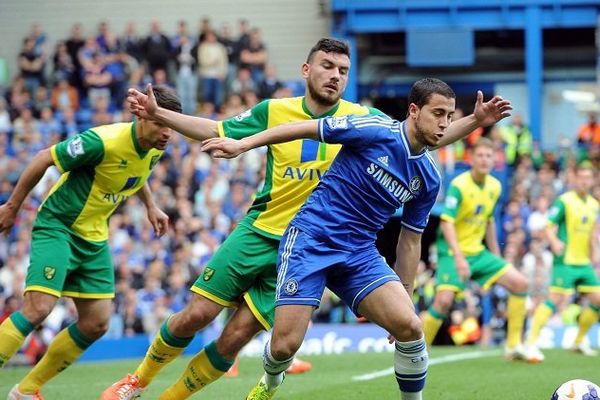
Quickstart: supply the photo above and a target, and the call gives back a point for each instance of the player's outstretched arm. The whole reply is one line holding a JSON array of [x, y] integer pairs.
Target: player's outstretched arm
[[29, 178], [230, 148], [484, 114], [145, 106]]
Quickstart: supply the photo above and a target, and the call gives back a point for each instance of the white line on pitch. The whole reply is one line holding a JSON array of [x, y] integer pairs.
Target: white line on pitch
[[434, 361]]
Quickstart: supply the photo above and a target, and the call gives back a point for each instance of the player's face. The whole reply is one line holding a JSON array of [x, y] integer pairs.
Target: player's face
[[326, 77], [157, 136], [483, 159], [584, 180], [432, 119]]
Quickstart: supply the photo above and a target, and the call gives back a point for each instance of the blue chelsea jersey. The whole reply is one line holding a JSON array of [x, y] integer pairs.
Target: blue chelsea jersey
[[371, 177]]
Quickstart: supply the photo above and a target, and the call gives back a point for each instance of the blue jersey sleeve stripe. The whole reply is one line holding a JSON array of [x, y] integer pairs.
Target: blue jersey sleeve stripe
[[320, 130], [412, 228]]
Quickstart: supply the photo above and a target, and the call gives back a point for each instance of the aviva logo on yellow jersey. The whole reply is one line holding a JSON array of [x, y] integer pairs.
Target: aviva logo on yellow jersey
[[311, 151]]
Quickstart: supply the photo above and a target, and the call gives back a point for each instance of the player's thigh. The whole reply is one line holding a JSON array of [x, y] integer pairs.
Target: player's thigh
[[390, 307], [446, 276], [50, 261], [513, 280], [360, 274], [487, 268], [93, 274], [236, 266], [291, 324]]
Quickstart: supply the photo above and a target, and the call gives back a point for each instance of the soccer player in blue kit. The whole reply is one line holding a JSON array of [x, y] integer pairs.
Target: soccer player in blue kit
[[383, 164]]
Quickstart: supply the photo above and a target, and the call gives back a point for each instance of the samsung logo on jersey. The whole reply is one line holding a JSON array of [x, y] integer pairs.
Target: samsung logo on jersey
[[303, 173], [392, 185]]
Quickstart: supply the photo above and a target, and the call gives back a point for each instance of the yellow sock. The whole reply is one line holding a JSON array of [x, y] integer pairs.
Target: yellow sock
[[205, 368], [66, 347], [515, 314], [164, 349], [542, 314], [588, 317], [13, 332], [432, 322]]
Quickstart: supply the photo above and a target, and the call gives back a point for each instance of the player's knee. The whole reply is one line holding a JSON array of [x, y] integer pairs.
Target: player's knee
[[37, 311], [191, 320], [409, 330], [93, 329], [284, 349], [519, 284]]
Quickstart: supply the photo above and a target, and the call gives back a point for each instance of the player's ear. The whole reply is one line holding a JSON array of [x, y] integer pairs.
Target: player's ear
[[304, 70], [413, 110]]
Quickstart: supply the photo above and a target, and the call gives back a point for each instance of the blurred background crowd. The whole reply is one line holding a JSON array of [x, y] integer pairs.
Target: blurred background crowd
[[218, 74]]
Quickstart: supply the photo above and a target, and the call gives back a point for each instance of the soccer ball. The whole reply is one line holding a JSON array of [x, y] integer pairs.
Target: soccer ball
[[577, 389]]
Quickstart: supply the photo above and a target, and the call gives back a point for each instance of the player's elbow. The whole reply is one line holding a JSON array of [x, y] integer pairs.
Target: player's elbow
[[44, 157]]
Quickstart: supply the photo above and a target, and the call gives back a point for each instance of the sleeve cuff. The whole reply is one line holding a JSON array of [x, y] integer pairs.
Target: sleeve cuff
[[320, 130], [412, 228], [220, 129], [56, 160]]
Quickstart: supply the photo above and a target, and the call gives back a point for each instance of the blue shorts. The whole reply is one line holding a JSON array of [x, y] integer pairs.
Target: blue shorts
[[305, 266]]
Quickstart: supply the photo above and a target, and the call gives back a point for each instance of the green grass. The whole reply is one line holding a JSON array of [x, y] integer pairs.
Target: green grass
[[488, 377]]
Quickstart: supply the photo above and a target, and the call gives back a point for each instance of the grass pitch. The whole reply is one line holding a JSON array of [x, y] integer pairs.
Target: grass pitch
[[347, 377]]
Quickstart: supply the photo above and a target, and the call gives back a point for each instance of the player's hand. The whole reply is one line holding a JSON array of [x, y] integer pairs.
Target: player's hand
[[159, 220], [141, 105], [557, 247], [391, 339], [7, 218], [223, 147], [462, 267], [491, 111]]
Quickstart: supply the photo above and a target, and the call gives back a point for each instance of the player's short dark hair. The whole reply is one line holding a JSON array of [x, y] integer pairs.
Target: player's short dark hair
[[329, 45], [167, 98], [423, 89]]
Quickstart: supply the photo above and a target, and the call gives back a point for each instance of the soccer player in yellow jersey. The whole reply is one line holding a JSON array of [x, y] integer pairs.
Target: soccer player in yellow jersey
[[572, 232], [468, 219], [70, 257], [242, 272]]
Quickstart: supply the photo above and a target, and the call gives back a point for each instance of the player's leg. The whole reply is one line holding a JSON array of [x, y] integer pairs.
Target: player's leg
[[487, 269], [390, 307], [562, 285], [437, 313], [217, 357], [49, 261], [589, 285], [448, 283], [70, 343], [174, 336], [372, 289], [291, 324], [516, 310], [302, 270]]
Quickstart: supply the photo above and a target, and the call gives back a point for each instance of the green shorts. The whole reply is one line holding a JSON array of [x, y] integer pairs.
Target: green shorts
[[63, 264], [568, 278], [243, 267], [486, 268]]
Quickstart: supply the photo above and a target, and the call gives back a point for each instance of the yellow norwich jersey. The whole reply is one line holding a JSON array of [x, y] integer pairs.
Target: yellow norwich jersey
[[100, 168], [470, 207], [575, 218], [293, 169]]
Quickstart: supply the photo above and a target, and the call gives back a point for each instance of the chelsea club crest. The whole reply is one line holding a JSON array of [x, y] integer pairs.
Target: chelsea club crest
[[416, 183]]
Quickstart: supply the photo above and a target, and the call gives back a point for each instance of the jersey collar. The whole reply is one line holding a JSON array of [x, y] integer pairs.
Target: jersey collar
[[327, 114], [407, 144], [141, 152]]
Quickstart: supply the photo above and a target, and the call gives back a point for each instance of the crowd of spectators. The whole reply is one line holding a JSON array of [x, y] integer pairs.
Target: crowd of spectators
[[82, 83]]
